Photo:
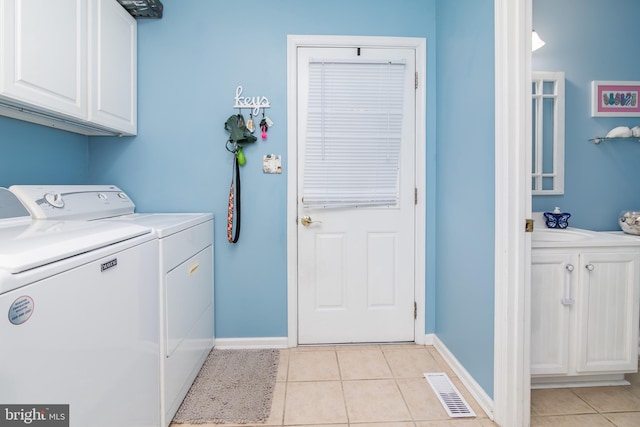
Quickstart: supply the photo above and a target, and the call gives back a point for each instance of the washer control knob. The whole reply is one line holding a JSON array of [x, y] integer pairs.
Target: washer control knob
[[102, 196], [122, 196], [54, 199]]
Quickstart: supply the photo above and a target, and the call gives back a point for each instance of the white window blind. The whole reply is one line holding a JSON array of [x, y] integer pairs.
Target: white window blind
[[352, 152]]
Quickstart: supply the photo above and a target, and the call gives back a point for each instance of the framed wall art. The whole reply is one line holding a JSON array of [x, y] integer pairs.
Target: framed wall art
[[615, 99]]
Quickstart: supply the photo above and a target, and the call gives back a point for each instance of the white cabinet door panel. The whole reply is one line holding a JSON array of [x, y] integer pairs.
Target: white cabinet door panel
[[552, 282], [607, 322], [113, 75], [44, 53]]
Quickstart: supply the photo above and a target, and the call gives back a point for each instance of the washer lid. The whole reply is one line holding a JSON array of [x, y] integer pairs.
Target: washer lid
[[10, 206], [37, 243]]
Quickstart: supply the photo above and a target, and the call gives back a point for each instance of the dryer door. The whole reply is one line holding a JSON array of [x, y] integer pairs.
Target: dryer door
[[189, 293]]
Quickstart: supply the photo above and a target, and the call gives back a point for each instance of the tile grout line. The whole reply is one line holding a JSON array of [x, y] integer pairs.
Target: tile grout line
[[286, 388], [584, 401], [395, 381], [344, 396]]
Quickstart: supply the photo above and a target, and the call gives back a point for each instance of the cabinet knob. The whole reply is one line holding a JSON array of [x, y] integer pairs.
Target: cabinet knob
[[589, 267], [569, 267]]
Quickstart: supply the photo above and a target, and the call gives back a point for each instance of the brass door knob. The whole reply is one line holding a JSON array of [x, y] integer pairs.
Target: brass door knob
[[306, 220]]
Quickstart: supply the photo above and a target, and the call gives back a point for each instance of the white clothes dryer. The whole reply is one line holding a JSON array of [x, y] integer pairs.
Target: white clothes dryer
[[185, 268], [78, 319], [186, 296]]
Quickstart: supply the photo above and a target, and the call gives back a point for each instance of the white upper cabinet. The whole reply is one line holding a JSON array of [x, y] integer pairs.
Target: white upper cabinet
[[113, 73], [44, 54], [69, 64]]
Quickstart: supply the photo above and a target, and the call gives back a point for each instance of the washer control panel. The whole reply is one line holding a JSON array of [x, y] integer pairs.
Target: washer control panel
[[54, 199], [67, 202]]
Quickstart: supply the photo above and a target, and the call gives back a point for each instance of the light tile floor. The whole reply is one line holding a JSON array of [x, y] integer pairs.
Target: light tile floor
[[362, 385], [588, 406], [383, 386]]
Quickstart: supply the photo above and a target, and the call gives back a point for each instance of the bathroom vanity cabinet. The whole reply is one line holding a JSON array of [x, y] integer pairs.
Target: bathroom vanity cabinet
[[584, 313]]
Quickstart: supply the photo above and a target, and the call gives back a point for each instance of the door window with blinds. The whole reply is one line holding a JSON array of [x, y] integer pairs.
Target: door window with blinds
[[352, 155]]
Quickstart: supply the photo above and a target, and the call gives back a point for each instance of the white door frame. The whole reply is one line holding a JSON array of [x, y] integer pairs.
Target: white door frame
[[512, 370], [419, 44]]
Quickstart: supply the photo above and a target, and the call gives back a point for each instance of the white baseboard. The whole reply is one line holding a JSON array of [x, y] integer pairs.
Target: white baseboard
[[428, 339], [483, 399], [245, 343], [276, 342]]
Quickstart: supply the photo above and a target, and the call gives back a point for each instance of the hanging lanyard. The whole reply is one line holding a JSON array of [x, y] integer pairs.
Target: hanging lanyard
[[233, 233]]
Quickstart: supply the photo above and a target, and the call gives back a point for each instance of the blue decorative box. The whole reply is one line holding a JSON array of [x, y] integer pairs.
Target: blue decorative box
[[557, 219]]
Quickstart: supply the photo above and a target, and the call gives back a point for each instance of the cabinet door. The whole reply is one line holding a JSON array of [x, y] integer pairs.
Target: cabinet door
[[113, 75], [43, 47], [607, 323], [553, 277]]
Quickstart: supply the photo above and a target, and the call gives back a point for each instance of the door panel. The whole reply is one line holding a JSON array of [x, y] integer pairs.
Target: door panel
[[551, 282], [382, 261], [607, 322], [356, 264], [38, 69], [330, 289]]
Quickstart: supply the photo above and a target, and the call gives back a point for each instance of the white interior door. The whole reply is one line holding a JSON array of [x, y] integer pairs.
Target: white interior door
[[356, 260]]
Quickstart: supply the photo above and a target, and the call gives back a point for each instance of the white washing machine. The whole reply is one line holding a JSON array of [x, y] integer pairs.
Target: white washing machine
[[78, 319], [185, 260]]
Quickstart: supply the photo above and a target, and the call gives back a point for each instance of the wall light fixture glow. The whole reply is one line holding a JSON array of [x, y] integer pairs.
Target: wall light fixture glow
[[536, 41]]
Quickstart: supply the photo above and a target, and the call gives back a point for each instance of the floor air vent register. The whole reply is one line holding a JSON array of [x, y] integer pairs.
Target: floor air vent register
[[449, 396]]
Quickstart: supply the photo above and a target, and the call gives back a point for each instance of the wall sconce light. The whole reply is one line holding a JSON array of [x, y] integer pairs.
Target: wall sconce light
[[536, 41]]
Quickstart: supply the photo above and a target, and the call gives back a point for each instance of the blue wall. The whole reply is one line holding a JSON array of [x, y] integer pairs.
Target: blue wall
[[465, 184], [593, 44], [34, 154], [189, 64]]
